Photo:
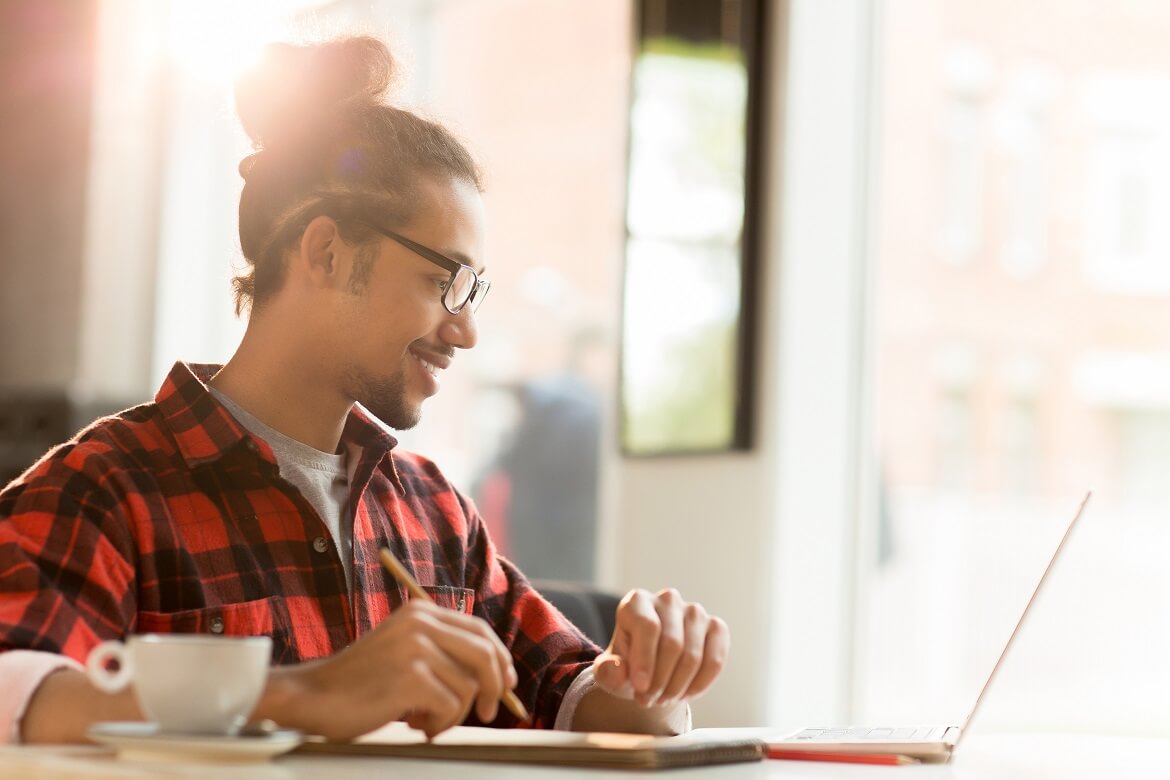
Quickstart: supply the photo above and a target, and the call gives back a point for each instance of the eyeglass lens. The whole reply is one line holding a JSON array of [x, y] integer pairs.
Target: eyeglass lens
[[461, 288], [465, 289]]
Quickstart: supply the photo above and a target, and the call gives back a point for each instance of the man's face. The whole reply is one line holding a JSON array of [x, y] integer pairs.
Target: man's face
[[395, 337]]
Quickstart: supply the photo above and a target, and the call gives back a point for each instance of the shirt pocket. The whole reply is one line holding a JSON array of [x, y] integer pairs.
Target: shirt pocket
[[262, 617], [458, 599]]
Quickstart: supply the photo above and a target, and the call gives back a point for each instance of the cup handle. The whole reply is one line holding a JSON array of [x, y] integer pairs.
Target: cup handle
[[99, 675]]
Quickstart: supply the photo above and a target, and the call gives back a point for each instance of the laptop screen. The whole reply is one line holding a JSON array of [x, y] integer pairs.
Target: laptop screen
[[1040, 584]]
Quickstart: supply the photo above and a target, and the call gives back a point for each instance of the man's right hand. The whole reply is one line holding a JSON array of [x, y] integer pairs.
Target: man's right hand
[[423, 664]]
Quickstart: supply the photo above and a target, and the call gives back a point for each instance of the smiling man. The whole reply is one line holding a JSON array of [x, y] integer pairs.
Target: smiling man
[[253, 498]]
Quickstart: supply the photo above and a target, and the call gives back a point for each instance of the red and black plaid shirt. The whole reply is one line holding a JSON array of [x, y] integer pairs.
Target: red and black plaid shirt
[[172, 517]]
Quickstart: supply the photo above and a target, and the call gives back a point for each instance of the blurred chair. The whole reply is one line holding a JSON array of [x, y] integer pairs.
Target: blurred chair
[[33, 422], [30, 423], [590, 609]]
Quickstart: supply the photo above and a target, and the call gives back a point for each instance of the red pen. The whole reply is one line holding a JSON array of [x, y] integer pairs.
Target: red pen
[[887, 759]]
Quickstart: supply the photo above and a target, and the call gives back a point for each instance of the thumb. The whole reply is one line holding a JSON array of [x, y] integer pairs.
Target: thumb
[[611, 673]]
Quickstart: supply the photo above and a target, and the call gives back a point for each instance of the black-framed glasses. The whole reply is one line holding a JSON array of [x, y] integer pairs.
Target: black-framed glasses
[[463, 288]]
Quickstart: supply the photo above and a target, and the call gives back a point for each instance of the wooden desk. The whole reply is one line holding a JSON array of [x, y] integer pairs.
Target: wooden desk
[[991, 757]]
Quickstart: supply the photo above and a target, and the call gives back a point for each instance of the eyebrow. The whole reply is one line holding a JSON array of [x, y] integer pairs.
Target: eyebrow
[[459, 257]]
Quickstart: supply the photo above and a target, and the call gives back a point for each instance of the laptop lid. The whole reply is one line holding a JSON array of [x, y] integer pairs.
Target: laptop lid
[[1015, 631], [928, 743]]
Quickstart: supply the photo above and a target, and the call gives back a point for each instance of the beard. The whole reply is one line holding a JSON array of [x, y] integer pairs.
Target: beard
[[384, 398]]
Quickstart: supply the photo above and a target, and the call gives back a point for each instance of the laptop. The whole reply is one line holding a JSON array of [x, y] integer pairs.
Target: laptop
[[925, 743]]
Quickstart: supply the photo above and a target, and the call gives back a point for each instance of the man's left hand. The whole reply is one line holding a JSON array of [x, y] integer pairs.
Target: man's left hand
[[664, 649]]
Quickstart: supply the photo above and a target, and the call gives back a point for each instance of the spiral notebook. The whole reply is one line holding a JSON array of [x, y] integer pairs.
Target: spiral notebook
[[563, 748]]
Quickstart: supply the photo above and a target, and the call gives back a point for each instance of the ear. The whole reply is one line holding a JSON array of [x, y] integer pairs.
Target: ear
[[319, 247]]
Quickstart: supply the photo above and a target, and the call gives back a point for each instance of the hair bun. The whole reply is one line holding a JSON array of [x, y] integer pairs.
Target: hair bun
[[279, 98]]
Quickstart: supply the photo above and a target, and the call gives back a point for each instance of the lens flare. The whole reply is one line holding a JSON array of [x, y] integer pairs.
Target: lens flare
[[214, 42]]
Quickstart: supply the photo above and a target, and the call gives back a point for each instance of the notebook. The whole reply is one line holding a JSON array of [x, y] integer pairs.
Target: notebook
[[564, 748], [933, 743]]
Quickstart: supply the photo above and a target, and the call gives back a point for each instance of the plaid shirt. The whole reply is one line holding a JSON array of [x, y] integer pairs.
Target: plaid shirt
[[171, 517]]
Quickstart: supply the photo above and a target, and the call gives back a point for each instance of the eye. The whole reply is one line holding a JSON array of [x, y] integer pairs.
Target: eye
[[443, 283]]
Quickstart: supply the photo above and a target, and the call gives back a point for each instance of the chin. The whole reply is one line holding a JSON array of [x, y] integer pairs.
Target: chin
[[387, 400], [396, 411], [397, 417], [407, 422]]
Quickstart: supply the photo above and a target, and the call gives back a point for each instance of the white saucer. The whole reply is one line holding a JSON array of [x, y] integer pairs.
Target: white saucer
[[138, 741]]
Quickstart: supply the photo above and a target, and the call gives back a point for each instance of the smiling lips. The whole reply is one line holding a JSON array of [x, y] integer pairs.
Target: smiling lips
[[434, 365]]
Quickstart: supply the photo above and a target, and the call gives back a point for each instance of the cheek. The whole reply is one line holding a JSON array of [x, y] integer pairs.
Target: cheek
[[395, 329], [386, 322]]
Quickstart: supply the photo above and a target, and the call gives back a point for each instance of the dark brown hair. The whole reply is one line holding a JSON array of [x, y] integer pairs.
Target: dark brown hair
[[327, 143]]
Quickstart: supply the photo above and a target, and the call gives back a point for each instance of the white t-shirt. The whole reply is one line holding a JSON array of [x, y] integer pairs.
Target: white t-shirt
[[322, 478]]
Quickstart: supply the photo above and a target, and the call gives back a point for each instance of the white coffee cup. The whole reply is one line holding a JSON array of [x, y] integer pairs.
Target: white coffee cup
[[187, 683]]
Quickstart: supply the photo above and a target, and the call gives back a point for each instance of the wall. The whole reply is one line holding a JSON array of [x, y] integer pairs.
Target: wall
[[768, 539], [696, 524], [46, 52]]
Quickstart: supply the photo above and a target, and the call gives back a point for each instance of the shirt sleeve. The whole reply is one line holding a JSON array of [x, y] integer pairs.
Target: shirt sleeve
[[67, 579], [21, 673], [548, 651], [581, 686]]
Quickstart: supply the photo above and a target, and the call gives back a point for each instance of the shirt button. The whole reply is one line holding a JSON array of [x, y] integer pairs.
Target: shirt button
[[216, 625], [252, 445], [320, 545]]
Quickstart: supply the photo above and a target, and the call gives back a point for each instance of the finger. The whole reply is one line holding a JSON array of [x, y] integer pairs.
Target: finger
[[476, 654], [424, 722], [479, 627], [715, 651], [695, 625], [434, 706], [619, 643], [669, 606], [638, 618], [464, 686]]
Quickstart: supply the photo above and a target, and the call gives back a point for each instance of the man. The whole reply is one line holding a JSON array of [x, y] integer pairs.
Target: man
[[253, 498]]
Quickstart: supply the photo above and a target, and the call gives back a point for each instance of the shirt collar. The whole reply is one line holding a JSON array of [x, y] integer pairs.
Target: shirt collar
[[205, 431]]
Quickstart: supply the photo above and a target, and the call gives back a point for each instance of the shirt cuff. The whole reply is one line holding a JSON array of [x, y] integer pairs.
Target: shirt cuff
[[581, 686], [21, 673]]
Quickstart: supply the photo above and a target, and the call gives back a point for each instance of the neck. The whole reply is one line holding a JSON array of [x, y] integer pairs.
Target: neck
[[278, 384]]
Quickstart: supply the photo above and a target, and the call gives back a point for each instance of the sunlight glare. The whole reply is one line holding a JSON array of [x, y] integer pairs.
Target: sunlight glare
[[213, 42]]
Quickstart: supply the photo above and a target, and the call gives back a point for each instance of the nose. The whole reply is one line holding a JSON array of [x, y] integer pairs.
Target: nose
[[459, 330]]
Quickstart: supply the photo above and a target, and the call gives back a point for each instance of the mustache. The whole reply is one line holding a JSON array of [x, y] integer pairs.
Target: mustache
[[446, 350]]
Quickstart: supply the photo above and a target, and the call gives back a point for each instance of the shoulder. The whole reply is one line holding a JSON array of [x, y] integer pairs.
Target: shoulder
[[128, 440], [95, 456]]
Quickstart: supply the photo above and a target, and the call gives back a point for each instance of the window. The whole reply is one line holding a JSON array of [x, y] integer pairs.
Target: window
[[688, 319], [1023, 130], [1127, 244], [1060, 382], [967, 73]]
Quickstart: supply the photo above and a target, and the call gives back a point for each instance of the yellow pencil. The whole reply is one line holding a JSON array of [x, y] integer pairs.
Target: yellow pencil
[[402, 576]]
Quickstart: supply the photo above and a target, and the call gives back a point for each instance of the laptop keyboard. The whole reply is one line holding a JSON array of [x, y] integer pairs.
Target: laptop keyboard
[[885, 734]]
